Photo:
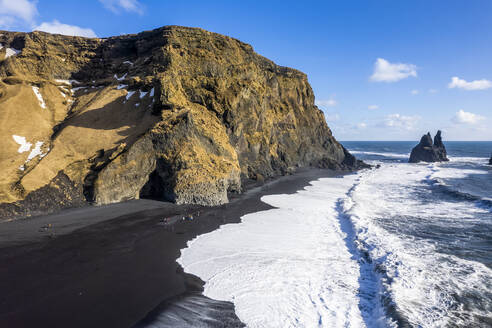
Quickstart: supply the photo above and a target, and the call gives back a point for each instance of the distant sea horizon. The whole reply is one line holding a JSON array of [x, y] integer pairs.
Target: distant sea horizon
[[481, 149]]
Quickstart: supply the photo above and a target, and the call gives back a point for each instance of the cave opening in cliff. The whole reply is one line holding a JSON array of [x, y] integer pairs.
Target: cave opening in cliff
[[154, 188], [159, 186]]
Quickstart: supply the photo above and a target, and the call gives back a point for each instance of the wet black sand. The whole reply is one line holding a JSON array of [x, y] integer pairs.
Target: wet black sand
[[115, 266]]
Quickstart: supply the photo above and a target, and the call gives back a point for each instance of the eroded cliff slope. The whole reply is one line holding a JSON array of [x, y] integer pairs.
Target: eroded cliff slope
[[176, 113]]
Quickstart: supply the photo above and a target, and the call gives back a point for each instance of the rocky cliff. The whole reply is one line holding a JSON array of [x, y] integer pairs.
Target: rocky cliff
[[428, 151], [176, 113]]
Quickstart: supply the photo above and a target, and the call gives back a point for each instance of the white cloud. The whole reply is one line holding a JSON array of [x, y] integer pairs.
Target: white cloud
[[433, 91], [361, 125], [6, 21], [456, 82], [463, 117], [127, 5], [327, 103], [18, 12], [332, 117], [401, 121], [58, 28], [373, 107], [14, 12], [415, 92], [384, 71]]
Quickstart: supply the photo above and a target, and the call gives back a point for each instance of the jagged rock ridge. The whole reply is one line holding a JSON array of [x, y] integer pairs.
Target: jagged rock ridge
[[175, 113], [428, 151]]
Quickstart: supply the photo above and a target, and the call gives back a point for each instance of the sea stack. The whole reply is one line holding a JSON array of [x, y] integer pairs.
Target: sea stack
[[428, 151], [490, 160], [179, 114]]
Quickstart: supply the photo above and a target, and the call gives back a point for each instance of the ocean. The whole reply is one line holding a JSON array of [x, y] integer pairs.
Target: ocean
[[403, 245]]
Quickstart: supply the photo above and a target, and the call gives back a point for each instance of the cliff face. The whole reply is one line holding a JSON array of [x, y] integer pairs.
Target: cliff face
[[176, 113]]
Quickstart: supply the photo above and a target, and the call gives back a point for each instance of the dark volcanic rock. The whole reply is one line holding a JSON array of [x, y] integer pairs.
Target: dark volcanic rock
[[428, 151], [439, 147], [490, 160]]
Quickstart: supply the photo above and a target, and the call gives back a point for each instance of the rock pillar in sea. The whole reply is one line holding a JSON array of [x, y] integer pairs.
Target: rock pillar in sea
[[429, 151]]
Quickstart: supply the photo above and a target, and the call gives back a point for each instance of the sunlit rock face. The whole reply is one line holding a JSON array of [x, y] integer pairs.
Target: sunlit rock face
[[176, 113]]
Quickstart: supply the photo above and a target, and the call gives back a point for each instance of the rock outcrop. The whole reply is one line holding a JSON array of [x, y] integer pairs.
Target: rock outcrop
[[490, 160], [176, 113], [428, 151]]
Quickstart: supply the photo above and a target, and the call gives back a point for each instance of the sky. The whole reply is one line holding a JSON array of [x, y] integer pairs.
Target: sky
[[380, 69]]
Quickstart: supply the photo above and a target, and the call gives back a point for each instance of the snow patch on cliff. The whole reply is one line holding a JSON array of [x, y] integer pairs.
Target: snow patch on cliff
[[24, 145], [10, 51], [38, 95]]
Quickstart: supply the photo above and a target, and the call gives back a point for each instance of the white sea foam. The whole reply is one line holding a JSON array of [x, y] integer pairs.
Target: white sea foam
[[332, 254], [478, 180], [422, 282], [480, 160], [285, 267], [382, 154]]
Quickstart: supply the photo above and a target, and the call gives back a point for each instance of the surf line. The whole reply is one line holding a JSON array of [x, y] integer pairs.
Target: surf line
[[375, 305]]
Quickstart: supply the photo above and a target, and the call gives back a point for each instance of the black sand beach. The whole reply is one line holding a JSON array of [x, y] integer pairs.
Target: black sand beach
[[113, 266]]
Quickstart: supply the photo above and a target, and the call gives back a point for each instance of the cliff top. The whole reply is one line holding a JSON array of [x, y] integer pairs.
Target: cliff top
[[129, 45]]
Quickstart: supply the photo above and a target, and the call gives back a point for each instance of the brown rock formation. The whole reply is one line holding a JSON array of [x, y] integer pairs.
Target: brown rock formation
[[175, 113]]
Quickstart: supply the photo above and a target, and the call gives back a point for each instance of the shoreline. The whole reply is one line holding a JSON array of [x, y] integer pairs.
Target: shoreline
[[115, 265]]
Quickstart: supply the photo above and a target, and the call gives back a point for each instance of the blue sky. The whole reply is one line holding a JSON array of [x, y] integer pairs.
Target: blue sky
[[380, 69]]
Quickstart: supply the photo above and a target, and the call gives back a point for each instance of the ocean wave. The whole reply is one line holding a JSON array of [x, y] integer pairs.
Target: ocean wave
[[400, 156], [382, 154], [479, 160], [429, 288], [290, 266], [462, 194], [365, 250], [474, 184]]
